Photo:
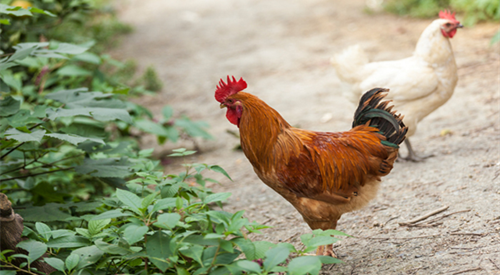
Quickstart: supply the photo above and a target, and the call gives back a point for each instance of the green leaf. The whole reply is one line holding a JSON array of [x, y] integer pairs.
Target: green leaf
[[158, 250], [105, 168], [261, 248], [329, 260], [249, 266], [194, 252], [68, 241], [72, 261], [167, 112], [70, 48], [73, 70], [21, 119], [95, 226], [134, 233], [74, 139], [151, 127], [40, 111], [304, 265], [55, 263], [193, 128], [320, 240], [129, 199], [88, 57], [329, 232], [47, 213], [112, 248], [275, 256], [5, 22], [36, 135], [167, 220], [16, 11], [111, 214], [37, 10], [217, 197], [9, 106], [11, 80], [219, 215], [164, 204], [43, 230], [88, 255], [246, 246], [84, 232], [35, 249], [148, 199], [219, 169]]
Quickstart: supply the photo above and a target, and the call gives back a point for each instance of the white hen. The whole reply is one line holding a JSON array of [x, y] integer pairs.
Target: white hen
[[419, 84]]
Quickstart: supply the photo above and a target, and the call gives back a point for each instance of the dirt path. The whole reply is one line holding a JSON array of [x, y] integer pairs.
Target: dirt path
[[282, 49]]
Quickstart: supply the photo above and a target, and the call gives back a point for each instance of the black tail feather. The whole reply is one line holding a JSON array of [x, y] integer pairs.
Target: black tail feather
[[379, 114]]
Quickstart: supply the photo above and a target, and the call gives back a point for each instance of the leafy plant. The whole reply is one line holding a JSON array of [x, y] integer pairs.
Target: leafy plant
[[165, 224]]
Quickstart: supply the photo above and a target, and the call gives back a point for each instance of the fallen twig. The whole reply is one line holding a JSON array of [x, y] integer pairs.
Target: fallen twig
[[266, 221], [467, 270], [425, 224], [494, 264], [468, 233], [403, 238], [291, 237], [447, 215], [423, 217], [390, 219]]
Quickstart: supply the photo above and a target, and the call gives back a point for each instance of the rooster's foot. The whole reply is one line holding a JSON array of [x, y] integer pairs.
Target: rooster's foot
[[325, 250]]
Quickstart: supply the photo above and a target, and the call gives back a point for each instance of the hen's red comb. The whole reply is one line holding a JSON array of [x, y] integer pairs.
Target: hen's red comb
[[224, 90], [447, 15]]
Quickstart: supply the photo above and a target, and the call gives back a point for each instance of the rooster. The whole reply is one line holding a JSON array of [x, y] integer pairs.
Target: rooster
[[322, 174], [419, 84]]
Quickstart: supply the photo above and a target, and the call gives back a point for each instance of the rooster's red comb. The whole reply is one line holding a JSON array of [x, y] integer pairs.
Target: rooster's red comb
[[447, 15], [224, 90]]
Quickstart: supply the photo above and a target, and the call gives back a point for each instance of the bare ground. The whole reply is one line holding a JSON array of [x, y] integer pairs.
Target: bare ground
[[282, 49]]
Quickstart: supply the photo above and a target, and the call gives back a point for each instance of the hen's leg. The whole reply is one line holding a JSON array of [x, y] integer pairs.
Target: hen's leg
[[411, 154]]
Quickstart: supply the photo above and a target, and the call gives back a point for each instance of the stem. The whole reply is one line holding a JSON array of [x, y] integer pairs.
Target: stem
[[46, 172], [10, 151], [215, 257], [45, 119], [19, 269], [44, 164]]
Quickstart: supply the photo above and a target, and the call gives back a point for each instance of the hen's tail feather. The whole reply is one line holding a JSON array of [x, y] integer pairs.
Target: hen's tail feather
[[377, 113]]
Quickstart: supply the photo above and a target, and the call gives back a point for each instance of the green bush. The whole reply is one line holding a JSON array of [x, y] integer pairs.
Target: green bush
[[164, 224], [472, 10]]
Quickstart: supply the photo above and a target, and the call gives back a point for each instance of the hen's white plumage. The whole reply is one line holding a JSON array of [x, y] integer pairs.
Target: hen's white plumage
[[418, 84]]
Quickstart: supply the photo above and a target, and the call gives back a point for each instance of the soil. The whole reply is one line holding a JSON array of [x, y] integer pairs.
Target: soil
[[282, 49]]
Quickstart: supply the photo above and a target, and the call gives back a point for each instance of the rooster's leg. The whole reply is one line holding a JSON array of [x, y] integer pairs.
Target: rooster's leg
[[411, 154], [326, 250]]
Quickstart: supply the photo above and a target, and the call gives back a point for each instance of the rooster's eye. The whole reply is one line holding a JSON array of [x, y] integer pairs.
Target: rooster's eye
[[448, 25]]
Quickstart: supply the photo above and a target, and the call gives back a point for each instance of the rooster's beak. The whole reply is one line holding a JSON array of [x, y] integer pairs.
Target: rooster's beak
[[222, 106], [460, 25]]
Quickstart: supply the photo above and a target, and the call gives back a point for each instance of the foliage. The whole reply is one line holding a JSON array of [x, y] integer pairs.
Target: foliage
[[90, 198], [58, 141], [473, 10], [48, 131], [164, 224]]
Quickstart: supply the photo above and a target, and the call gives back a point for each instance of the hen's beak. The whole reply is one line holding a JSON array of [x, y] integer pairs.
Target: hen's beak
[[222, 105], [460, 25]]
